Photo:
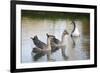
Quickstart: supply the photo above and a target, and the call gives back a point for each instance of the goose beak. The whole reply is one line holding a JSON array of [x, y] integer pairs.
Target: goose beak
[[31, 38]]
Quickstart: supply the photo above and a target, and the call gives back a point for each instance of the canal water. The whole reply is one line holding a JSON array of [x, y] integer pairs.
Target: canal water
[[40, 23]]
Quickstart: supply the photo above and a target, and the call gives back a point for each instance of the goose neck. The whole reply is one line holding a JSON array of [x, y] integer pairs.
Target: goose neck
[[74, 27], [62, 38], [49, 43]]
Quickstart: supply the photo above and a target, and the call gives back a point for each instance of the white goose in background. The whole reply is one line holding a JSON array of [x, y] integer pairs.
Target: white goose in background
[[75, 31]]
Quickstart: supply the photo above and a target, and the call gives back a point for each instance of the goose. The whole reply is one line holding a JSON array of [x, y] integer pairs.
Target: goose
[[42, 48], [53, 43], [75, 31], [49, 48], [57, 44]]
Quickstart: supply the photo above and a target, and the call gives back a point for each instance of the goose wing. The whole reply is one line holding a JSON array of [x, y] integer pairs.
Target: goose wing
[[54, 43], [38, 43]]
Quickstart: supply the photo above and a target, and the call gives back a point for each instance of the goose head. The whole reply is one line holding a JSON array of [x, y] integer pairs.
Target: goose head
[[35, 37], [65, 32]]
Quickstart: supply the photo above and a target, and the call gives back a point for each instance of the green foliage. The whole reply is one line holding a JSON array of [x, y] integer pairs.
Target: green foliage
[[55, 15]]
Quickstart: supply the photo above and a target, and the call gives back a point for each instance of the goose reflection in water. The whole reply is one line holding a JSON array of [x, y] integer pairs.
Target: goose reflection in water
[[56, 44]]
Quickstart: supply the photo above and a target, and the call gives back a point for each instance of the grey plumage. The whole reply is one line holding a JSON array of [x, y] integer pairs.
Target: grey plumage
[[39, 43]]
